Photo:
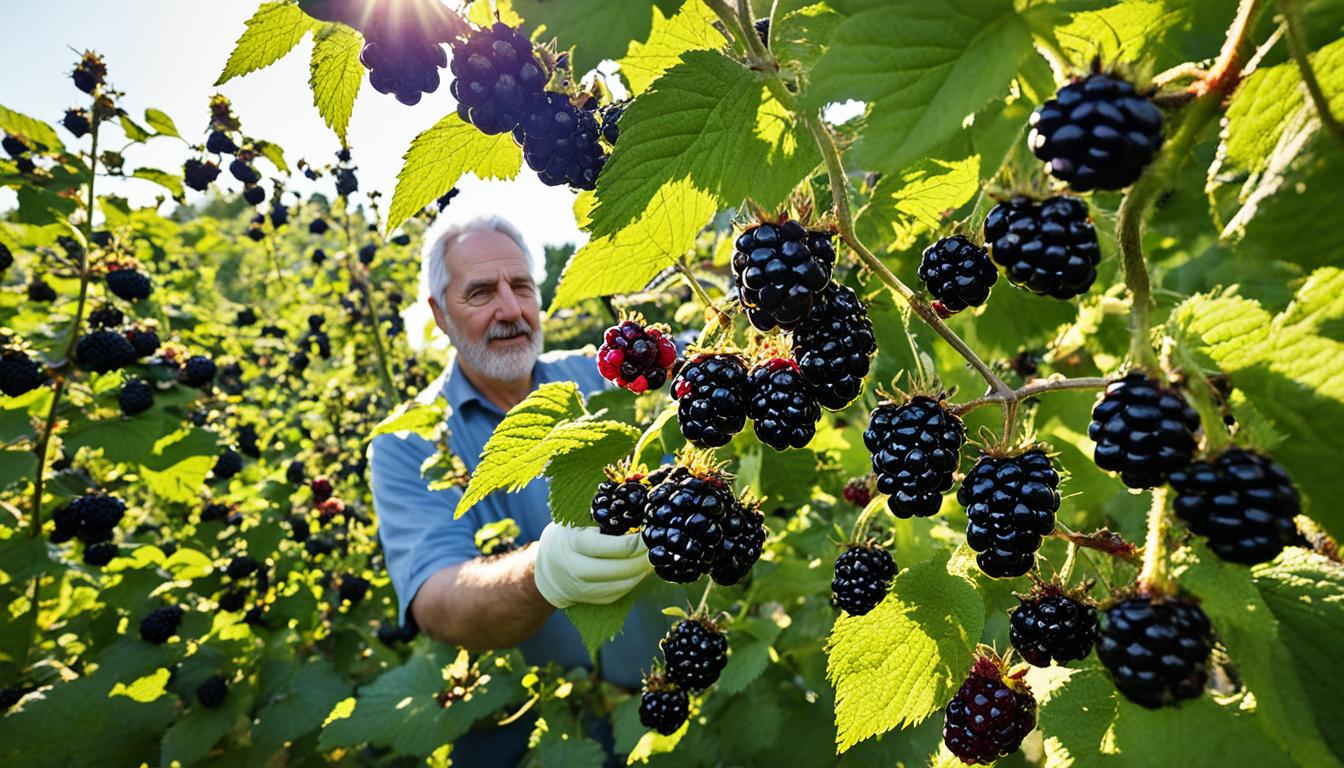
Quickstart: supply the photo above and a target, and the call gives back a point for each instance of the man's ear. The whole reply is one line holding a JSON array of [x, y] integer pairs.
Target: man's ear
[[439, 318]]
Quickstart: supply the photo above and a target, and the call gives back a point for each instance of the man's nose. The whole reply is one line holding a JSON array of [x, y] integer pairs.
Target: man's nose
[[507, 307]]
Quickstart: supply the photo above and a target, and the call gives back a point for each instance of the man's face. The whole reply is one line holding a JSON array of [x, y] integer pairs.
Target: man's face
[[490, 310]]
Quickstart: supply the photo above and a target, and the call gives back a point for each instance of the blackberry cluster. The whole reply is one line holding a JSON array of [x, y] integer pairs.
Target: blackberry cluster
[[211, 692], [77, 122], [777, 273], [198, 371], [636, 356], [93, 517], [90, 72], [136, 396], [161, 624], [683, 523], [990, 714], [1143, 430], [199, 174], [618, 505], [560, 142], [403, 48], [958, 273], [1010, 505], [19, 372], [103, 350], [695, 652], [834, 346], [712, 393], [742, 543], [1047, 247], [1157, 649], [1096, 133], [863, 574], [497, 76], [780, 405], [1244, 502], [1052, 625], [915, 447], [663, 706]]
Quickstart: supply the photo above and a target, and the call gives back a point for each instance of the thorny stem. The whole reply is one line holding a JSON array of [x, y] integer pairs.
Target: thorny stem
[[1200, 391], [1154, 573], [1031, 390], [1297, 47], [704, 598], [375, 322], [1070, 556], [712, 313]]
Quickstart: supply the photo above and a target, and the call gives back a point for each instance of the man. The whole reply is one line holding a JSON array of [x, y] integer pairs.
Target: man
[[478, 279]]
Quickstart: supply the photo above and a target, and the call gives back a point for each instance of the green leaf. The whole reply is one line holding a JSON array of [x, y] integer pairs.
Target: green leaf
[[599, 623], [574, 476], [901, 662], [750, 645], [30, 128], [905, 206], [708, 121], [169, 181], [568, 750], [272, 32], [308, 696], [922, 67], [689, 29], [273, 153], [162, 124], [439, 156], [596, 29], [335, 75], [17, 465], [423, 419], [192, 736]]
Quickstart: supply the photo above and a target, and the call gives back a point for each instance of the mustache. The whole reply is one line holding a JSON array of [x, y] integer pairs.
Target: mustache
[[506, 330]]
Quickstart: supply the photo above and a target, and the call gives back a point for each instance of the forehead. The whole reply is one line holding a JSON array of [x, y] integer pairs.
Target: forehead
[[484, 255]]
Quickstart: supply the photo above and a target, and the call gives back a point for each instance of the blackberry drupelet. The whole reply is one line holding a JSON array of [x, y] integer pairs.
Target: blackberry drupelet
[[129, 284], [136, 396], [636, 356], [695, 652], [990, 714], [863, 574], [161, 624], [780, 405], [916, 448], [211, 692], [1050, 624], [1143, 430], [102, 351], [496, 78], [778, 276], [1243, 501], [1156, 649], [663, 706], [743, 541], [1048, 247], [834, 347], [683, 523], [1010, 505], [958, 273], [711, 392], [1096, 133]]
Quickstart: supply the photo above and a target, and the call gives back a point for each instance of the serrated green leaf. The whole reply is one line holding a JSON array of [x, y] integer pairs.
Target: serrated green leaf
[[906, 205], [301, 705], [899, 663], [162, 124], [30, 128], [596, 29], [273, 153], [423, 419], [690, 29], [192, 736], [574, 476], [335, 75], [133, 130], [169, 181], [568, 750], [272, 32], [599, 623], [438, 157]]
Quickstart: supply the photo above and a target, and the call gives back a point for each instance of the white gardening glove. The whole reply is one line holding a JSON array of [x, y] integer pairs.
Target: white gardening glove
[[584, 565]]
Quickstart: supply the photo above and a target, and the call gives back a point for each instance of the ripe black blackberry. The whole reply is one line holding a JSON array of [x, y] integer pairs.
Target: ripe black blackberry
[[958, 273], [199, 174], [1010, 505], [233, 600], [353, 588], [198, 371], [90, 72], [6, 258], [279, 214], [15, 146], [916, 448], [834, 347], [762, 27], [214, 511], [403, 48], [241, 567], [1243, 501], [683, 523], [695, 652], [780, 405], [1143, 430], [1048, 247], [318, 227], [863, 574], [711, 393], [636, 356], [254, 195], [248, 437], [106, 316], [136, 396], [161, 624], [496, 77], [100, 554], [366, 253], [219, 143], [778, 276], [662, 705], [391, 634], [76, 121], [11, 695], [129, 284], [19, 372], [743, 541], [144, 341], [347, 183], [40, 291], [990, 714], [618, 505], [610, 116], [1049, 624], [211, 692], [560, 142], [1096, 133], [229, 463], [102, 351], [243, 171], [1156, 649]]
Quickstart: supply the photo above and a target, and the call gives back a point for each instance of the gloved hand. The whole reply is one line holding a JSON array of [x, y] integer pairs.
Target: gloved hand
[[584, 565]]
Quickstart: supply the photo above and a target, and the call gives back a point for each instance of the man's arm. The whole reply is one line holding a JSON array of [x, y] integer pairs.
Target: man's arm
[[485, 603]]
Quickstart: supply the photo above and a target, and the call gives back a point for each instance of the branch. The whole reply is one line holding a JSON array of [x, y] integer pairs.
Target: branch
[[1031, 390], [1101, 540]]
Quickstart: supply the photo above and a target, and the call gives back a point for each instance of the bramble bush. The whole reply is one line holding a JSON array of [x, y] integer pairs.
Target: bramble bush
[[1040, 352]]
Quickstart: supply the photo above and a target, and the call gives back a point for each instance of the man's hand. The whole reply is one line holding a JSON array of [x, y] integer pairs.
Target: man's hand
[[584, 565]]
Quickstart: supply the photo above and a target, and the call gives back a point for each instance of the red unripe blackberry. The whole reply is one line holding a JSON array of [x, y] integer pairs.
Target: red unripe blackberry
[[863, 575], [618, 505], [102, 351], [1052, 625], [990, 714], [1242, 501], [136, 396], [161, 624], [958, 273], [683, 524], [711, 393], [635, 356], [859, 491], [1096, 133], [1157, 649], [834, 347], [198, 174], [211, 692], [1048, 247], [1143, 430], [663, 706], [20, 373], [561, 142], [695, 652], [496, 77], [915, 447], [780, 405], [777, 274], [1010, 505], [198, 371], [321, 488], [744, 533]]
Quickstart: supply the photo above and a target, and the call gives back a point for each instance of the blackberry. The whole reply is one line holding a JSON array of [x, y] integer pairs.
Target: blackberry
[[321, 488], [76, 121], [40, 291], [834, 347], [448, 196], [233, 600], [915, 447], [762, 27], [296, 472], [15, 146], [100, 554], [353, 588], [780, 405], [144, 341], [682, 527], [610, 116], [136, 396], [6, 258], [106, 316], [90, 72], [778, 277], [1156, 649], [1243, 501], [243, 171], [392, 634], [20, 373], [318, 227], [198, 371], [560, 142], [403, 48], [636, 356], [858, 491], [990, 714], [496, 77], [711, 392], [247, 439], [245, 317], [1048, 247], [958, 273], [863, 574], [229, 463], [161, 624], [241, 567], [219, 143], [299, 529], [1096, 133], [1010, 505], [1143, 430], [214, 511], [279, 214], [663, 706], [618, 505], [1052, 625], [199, 174], [743, 541], [696, 652], [402, 238], [102, 351], [65, 524], [254, 195], [347, 183], [366, 254], [129, 284], [212, 691]]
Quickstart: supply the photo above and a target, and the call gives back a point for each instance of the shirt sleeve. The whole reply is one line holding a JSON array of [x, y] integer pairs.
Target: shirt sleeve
[[416, 525]]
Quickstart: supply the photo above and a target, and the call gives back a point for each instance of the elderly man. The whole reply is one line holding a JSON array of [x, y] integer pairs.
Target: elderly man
[[479, 283]]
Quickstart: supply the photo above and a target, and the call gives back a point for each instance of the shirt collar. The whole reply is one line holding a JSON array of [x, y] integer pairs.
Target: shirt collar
[[459, 390]]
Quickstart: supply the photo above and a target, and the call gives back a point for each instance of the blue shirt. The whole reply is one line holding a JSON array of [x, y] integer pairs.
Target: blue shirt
[[420, 536]]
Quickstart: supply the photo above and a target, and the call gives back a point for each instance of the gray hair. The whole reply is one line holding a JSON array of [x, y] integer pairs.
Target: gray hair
[[441, 236]]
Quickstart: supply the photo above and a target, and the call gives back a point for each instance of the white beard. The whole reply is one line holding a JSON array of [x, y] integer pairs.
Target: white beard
[[509, 364]]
